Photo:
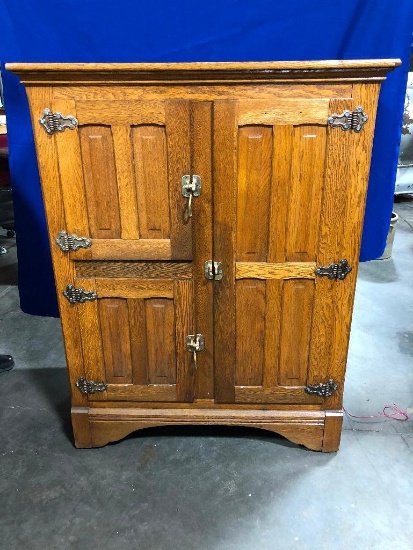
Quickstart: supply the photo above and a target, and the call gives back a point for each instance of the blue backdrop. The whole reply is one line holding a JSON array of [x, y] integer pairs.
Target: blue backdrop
[[183, 30]]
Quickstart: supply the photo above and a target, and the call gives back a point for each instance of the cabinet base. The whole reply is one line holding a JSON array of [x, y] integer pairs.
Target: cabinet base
[[316, 430]]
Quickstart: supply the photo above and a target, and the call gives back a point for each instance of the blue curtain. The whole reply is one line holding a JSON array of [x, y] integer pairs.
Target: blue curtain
[[234, 30]]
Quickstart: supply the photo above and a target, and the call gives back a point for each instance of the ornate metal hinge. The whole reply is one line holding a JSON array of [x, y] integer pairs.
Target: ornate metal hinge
[[213, 270], [78, 295], [322, 390], [72, 242], [349, 120], [89, 386], [334, 271], [56, 122]]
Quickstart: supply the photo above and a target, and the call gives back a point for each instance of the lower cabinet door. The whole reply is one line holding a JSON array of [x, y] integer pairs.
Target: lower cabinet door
[[134, 338]]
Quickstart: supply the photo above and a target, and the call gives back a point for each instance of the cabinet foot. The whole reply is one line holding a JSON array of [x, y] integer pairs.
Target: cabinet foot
[[332, 431], [316, 430]]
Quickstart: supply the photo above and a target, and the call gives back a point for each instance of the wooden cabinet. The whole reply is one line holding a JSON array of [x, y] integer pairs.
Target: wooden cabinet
[[271, 160]]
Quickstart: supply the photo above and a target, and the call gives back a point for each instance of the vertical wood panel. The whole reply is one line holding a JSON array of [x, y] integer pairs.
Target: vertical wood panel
[[88, 315], [272, 332], [178, 128], [307, 171], [297, 304], [150, 161], [253, 192], [331, 227], [184, 303], [280, 191], [64, 272], [225, 171], [202, 227], [359, 156], [160, 337], [71, 176], [250, 326], [139, 351], [126, 182], [114, 326], [100, 181]]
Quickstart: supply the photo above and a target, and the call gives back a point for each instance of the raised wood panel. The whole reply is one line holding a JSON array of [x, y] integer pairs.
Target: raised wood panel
[[101, 188], [126, 181], [264, 270], [160, 338], [273, 316], [284, 112], [116, 342], [139, 348], [138, 269], [250, 327], [122, 112], [297, 308], [253, 192], [307, 174], [152, 186], [281, 184]]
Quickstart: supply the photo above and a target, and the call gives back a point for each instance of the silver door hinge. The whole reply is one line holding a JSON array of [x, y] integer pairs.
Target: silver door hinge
[[56, 122], [78, 295], [213, 270], [72, 242], [349, 120], [334, 271], [321, 389], [89, 386]]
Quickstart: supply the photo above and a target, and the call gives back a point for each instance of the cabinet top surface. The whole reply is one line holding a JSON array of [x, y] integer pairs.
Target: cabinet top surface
[[263, 71]]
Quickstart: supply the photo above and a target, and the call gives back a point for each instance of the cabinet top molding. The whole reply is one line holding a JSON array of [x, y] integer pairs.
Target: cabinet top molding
[[360, 70]]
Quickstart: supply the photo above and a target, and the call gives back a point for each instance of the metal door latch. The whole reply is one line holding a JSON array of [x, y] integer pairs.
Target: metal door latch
[[191, 186], [194, 344], [213, 270]]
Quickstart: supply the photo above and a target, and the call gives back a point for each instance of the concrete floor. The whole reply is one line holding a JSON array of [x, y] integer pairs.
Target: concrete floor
[[212, 488]]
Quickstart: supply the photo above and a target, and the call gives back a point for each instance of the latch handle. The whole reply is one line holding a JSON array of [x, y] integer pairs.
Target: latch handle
[[191, 187], [194, 344]]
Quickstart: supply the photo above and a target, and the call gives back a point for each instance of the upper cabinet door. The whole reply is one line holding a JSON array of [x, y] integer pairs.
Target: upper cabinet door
[[120, 172], [283, 184]]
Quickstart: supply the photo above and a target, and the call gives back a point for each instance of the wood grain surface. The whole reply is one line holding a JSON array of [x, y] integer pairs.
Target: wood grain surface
[[283, 193]]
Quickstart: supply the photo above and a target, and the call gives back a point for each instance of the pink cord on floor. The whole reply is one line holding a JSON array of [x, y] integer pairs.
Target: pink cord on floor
[[392, 416]]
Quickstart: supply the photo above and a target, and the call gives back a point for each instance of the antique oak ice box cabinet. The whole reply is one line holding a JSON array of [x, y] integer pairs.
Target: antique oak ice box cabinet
[[205, 224]]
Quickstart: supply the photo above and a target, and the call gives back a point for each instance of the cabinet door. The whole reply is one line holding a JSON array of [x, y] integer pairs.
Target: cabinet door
[[280, 208], [133, 336], [120, 173]]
